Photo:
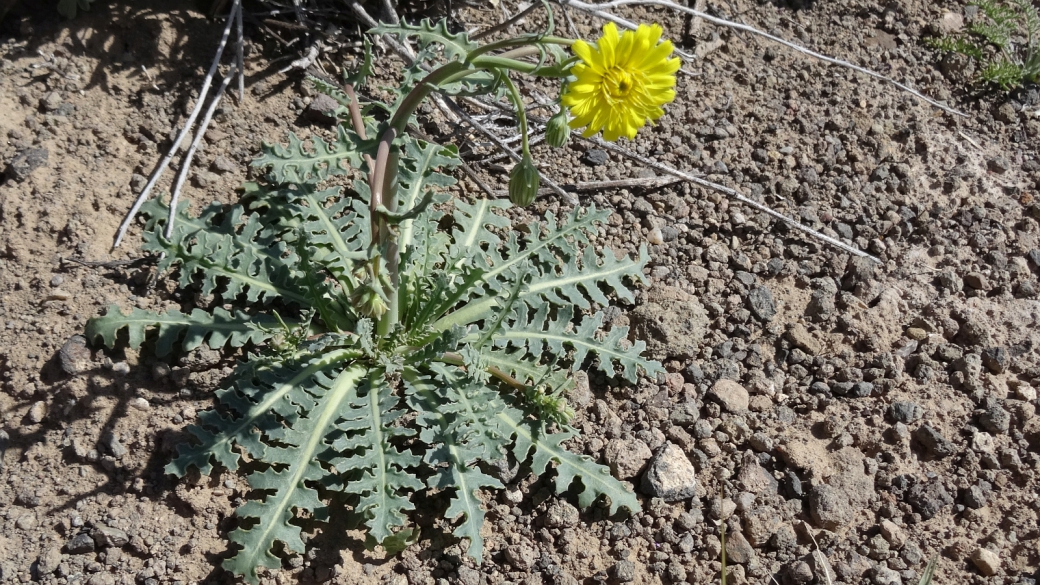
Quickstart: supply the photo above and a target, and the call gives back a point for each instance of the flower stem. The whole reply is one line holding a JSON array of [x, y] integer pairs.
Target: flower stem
[[521, 113]]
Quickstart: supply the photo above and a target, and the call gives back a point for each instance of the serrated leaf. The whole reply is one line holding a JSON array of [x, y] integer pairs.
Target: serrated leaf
[[533, 439], [258, 398], [383, 481], [304, 440], [542, 333], [293, 163], [216, 329]]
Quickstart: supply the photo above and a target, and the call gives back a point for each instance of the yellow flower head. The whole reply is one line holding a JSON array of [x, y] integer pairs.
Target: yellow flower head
[[621, 82]]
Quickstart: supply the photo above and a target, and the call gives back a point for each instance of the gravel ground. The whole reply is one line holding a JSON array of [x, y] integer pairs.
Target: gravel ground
[[846, 421]]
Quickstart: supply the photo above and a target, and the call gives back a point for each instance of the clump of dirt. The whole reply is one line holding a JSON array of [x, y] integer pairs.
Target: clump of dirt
[[847, 421]]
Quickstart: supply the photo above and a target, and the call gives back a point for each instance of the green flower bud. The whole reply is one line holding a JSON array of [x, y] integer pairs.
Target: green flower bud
[[524, 182], [558, 130], [368, 301]]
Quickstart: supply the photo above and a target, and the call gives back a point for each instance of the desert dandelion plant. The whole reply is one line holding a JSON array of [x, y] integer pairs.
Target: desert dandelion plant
[[622, 82], [394, 348]]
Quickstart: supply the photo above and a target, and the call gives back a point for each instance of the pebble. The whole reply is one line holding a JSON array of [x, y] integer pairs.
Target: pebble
[[732, 396], [801, 338], [49, 560], [595, 157], [886, 576], [904, 412], [74, 355], [995, 359], [995, 420], [26, 521], [223, 164], [738, 549], [561, 515], [655, 237], [800, 573], [57, 280], [829, 507], [625, 571], [761, 303], [977, 281], [672, 323], [113, 446], [893, 534], [987, 561], [51, 101], [140, 403], [933, 442], [79, 544], [322, 109], [121, 368], [37, 412], [626, 457], [105, 536], [22, 166], [670, 475]]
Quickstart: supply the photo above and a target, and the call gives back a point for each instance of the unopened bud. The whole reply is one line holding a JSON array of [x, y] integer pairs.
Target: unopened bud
[[368, 301], [524, 182], [558, 130]]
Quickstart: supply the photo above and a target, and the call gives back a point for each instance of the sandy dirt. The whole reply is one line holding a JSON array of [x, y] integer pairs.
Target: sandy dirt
[[847, 421]]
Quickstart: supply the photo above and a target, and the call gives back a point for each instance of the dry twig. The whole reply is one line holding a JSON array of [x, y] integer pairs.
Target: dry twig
[[182, 175], [165, 162], [647, 183]]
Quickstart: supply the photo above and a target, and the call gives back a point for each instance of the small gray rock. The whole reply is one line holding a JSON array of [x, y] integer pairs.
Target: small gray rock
[[670, 475], [738, 549], [625, 571], [49, 560], [322, 109], [26, 162], [732, 396], [986, 561], [886, 576], [51, 102], [995, 420], [672, 322], [977, 281], [222, 164], [112, 444], [799, 573], [105, 536], [595, 157], [761, 303], [75, 356], [37, 412], [933, 442], [80, 544], [904, 412], [829, 507], [468, 576], [996, 359], [561, 515], [626, 457]]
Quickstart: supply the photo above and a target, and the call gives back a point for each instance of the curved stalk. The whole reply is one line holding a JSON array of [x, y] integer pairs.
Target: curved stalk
[[521, 114]]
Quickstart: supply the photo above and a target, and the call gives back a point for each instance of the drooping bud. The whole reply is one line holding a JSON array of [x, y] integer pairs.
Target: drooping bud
[[368, 301], [558, 130], [524, 182]]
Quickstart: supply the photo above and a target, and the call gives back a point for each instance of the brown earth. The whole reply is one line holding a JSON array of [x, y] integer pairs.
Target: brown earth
[[891, 409]]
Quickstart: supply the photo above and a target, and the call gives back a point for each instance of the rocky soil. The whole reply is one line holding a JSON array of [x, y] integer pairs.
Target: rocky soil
[[845, 421]]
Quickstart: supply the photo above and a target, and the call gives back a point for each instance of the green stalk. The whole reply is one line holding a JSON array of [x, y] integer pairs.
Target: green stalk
[[521, 114]]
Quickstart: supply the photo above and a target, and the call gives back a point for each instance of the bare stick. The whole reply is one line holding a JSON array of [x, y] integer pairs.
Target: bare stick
[[567, 197], [180, 136], [305, 61], [182, 175], [597, 10], [709, 185], [238, 53], [504, 25], [732, 193], [649, 183]]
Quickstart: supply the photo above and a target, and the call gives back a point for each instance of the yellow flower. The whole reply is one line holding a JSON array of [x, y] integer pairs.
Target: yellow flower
[[621, 82]]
